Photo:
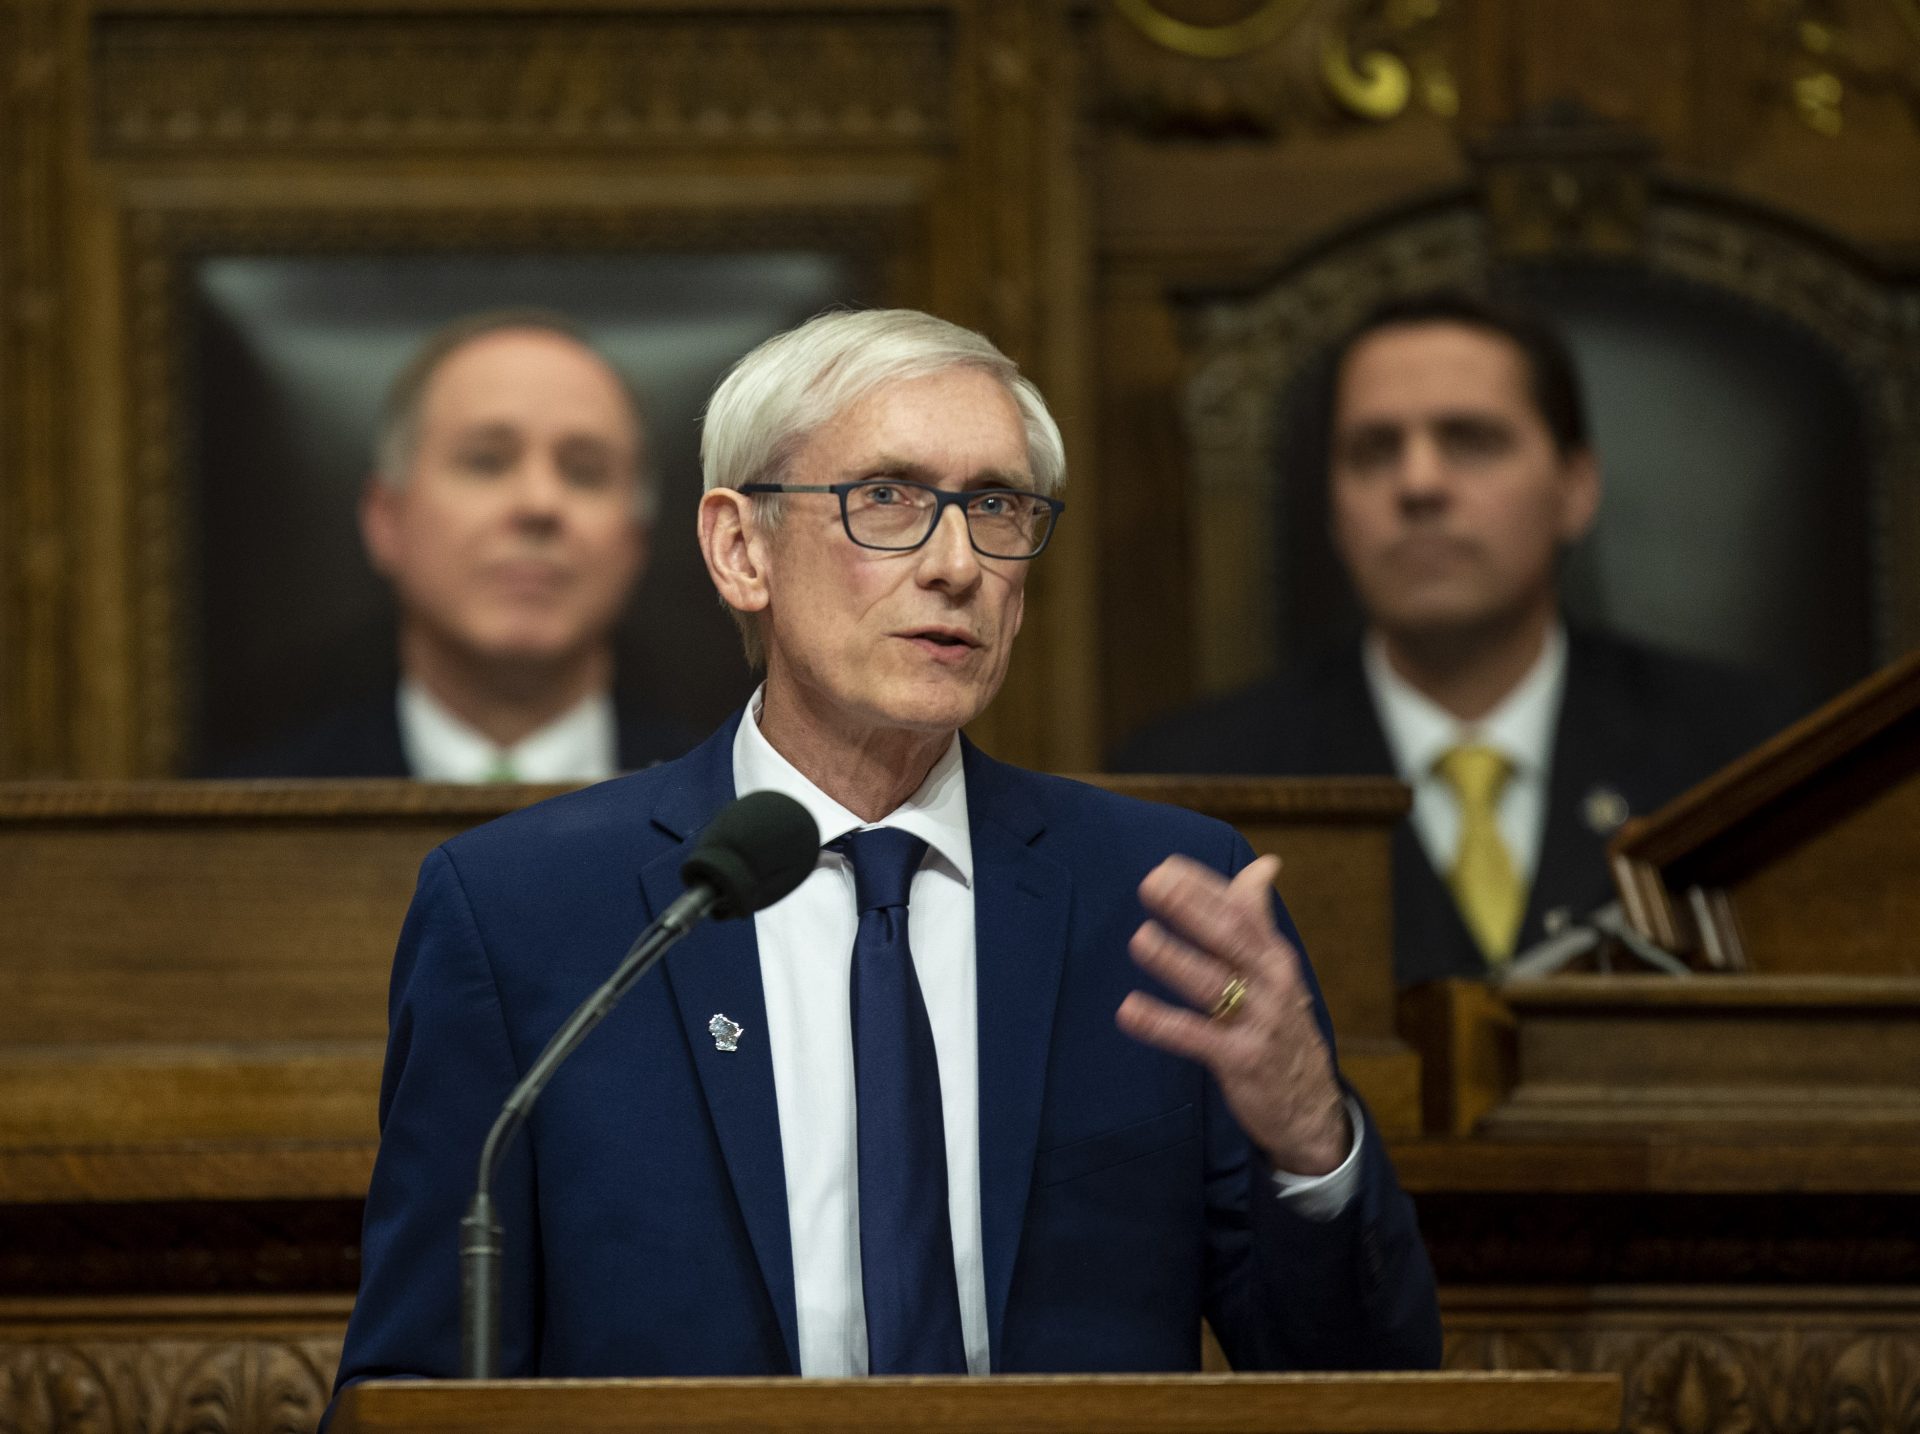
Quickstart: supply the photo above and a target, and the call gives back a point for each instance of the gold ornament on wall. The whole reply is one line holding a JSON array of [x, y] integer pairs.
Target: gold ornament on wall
[[1277, 64], [1836, 51]]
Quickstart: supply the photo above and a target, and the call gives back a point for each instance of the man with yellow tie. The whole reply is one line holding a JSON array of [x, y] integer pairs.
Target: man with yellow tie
[[1460, 472]]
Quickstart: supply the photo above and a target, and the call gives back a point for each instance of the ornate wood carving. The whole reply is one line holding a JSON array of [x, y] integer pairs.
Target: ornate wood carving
[[208, 84], [1277, 67], [167, 1386], [1829, 54], [1722, 1361]]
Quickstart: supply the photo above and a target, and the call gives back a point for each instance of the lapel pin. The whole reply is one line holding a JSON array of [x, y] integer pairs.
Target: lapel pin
[[725, 1033], [1605, 809]]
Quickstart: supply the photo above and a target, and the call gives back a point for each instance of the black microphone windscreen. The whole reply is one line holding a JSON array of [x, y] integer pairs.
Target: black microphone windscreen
[[754, 852]]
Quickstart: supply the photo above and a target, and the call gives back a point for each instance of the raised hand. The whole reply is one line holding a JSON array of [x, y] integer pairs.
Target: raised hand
[[1214, 942]]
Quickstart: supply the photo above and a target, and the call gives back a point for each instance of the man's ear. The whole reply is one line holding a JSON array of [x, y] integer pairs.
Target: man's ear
[[380, 525], [1579, 495], [735, 550]]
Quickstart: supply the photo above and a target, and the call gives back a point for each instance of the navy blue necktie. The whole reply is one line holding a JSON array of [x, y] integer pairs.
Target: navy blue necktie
[[906, 1242]]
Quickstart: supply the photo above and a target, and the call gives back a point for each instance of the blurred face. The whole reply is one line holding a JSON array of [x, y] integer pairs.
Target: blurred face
[[513, 536], [1450, 501], [913, 641]]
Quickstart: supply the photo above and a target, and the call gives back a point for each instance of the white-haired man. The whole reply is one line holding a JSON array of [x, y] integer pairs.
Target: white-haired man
[[916, 1118], [510, 509]]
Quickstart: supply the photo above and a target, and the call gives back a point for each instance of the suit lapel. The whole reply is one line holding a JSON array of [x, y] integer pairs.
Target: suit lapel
[[717, 970], [1572, 871], [1020, 901]]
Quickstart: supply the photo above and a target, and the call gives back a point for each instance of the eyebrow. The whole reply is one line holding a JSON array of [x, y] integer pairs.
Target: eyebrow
[[908, 471]]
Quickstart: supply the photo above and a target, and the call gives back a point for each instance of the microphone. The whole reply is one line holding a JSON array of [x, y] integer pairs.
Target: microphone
[[754, 852]]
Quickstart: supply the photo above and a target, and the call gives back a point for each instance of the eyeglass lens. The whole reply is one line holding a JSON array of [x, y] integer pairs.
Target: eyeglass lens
[[1004, 524]]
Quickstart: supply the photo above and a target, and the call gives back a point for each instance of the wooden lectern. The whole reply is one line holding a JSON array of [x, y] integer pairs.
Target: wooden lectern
[[1114, 1404], [1791, 879]]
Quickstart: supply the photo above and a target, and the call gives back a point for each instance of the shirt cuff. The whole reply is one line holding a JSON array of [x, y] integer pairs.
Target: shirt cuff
[[1322, 1197]]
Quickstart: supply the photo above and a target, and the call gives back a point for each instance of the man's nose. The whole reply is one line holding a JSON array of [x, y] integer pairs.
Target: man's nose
[[1423, 477], [947, 558], [539, 489]]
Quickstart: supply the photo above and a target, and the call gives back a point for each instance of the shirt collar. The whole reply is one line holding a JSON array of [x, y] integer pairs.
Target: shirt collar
[[1419, 730], [579, 745], [936, 812]]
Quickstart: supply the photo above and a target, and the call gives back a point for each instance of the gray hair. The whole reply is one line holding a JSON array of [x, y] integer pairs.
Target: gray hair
[[773, 400], [396, 440]]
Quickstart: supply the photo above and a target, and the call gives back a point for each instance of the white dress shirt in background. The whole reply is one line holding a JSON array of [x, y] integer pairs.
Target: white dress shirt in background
[[581, 745], [806, 966], [1419, 732]]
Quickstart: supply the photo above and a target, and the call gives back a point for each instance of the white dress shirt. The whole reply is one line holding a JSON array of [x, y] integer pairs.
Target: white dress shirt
[[581, 745], [806, 966], [1521, 728]]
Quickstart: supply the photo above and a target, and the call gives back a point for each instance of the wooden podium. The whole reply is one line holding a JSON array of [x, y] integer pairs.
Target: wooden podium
[[1005, 1404], [190, 1045]]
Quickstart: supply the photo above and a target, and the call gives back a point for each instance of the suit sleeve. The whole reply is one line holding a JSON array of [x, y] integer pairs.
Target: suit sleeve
[[449, 1066], [1286, 1291]]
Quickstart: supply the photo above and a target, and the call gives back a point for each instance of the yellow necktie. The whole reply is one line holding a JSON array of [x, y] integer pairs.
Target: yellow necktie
[[1484, 882]]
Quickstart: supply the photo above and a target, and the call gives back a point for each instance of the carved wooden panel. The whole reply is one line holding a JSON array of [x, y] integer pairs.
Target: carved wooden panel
[[1718, 1361], [238, 1366], [216, 84]]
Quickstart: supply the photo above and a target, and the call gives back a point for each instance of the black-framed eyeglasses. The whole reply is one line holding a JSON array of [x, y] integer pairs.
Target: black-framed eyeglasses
[[895, 515]]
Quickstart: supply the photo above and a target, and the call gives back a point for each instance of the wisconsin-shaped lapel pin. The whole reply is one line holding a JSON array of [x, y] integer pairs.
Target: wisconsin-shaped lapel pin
[[725, 1032]]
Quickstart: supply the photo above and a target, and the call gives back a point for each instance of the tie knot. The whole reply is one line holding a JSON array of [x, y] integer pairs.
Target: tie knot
[[884, 861], [1475, 773]]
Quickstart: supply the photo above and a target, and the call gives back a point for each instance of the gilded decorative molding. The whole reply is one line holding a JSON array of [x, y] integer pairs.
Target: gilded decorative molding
[[1267, 23], [212, 84], [1277, 65], [1834, 50]]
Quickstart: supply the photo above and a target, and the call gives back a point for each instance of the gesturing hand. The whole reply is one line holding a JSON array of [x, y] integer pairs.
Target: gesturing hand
[[1263, 1046]]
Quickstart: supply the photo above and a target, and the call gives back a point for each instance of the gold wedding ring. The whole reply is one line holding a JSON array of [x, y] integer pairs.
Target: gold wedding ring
[[1232, 997]]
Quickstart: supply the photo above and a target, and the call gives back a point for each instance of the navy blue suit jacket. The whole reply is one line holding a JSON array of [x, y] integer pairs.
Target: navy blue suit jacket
[[645, 1204]]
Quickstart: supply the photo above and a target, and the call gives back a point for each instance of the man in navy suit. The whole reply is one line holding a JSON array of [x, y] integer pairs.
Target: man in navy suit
[[941, 1125], [510, 510], [1460, 472]]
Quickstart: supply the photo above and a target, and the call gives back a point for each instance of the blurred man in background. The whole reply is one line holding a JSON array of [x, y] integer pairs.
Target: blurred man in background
[[1461, 471], [510, 510]]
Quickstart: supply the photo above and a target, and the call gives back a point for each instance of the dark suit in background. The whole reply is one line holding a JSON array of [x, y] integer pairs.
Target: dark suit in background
[[1635, 724], [363, 740], [645, 1205]]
